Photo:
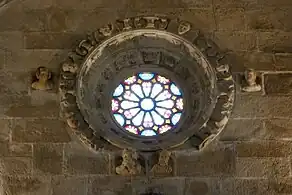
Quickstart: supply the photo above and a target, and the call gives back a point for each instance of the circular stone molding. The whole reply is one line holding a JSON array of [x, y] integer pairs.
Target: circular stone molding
[[119, 50]]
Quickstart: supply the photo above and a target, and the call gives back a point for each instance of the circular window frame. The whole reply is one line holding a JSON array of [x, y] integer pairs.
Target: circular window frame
[[209, 125]]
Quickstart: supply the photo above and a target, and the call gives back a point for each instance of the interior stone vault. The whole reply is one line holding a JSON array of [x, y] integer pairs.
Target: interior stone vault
[[233, 139]]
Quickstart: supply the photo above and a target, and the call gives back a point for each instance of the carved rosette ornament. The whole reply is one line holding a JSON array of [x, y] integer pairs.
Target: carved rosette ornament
[[172, 48]]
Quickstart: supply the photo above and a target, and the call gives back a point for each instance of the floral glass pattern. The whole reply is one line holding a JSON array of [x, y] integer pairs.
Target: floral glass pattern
[[147, 104]]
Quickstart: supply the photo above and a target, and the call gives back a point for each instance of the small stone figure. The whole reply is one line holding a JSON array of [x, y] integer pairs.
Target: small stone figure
[[162, 167], [130, 164], [70, 66], [43, 79], [184, 27], [106, 30], [250, 78]]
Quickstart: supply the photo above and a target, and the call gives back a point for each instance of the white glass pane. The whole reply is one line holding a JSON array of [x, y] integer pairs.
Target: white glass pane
[[130, 96], [158, 120], [148, 121], [131, 80], [179, 104], [131, 129], [163, 96], [164, 128], [157, 88], [127, 104], [148, 133], [147, 104], [175, 118], [146, 86], [164, 112], [119, 90], [146, 76], [120, 119], [115, 105], [162, 79], [129, 114], [138, 90], [174, 89], [166, 104], [137, 120]]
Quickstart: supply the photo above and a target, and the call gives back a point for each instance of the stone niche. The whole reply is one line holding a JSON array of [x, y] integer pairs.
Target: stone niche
[[172, 54]]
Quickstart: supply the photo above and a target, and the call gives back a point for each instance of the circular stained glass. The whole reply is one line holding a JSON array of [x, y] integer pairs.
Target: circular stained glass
[[147, 104]]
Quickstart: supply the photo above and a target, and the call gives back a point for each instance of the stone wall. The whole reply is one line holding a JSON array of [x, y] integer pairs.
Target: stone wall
[[39, 156]]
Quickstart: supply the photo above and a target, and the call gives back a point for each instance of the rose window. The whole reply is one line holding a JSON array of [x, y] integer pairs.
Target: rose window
[[147, 104]]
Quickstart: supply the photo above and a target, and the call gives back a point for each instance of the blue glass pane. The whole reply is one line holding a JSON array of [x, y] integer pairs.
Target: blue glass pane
[[158, 120], [119, 90], [137, 120], [157, 88], [128, 104], [146, 76], [138, 90], [174, 89], [120, 119], [148, 133], [175, 118]]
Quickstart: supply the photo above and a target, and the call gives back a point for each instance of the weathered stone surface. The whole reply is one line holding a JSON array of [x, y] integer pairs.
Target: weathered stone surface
[[15, 166], [26, 185], [79, 161], [256, 60], [206, 186], [23, 20], [38, 40], [282, 186], [250, 106], [283, 62], [169, 186], [48, 159], [263, 149], [208, 163], [275, 42], [2, 58], [42, 130], [242, 130], [279, 3], [269, 18], [262, 167], [235, 3], [230, 19], [36, 4], [113, 184], [202, 18], [31, 59], [278, 129], [5, 130], [278, 84], [69, 185], [11, 41], [250, 187], [236, 41], [20, 150]]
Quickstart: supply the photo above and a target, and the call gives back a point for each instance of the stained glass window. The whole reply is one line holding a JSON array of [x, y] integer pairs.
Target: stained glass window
[[147, 104]]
